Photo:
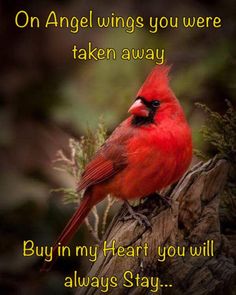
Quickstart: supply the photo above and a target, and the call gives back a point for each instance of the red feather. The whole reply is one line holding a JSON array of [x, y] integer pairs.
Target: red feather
[[109, 160], [147, 152], [70, 229]]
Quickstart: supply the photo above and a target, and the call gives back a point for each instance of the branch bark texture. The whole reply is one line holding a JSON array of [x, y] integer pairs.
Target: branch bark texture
[[192, 219]]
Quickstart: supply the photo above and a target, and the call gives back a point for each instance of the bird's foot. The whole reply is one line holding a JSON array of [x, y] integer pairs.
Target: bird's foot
[[166, 200], [139, 216]]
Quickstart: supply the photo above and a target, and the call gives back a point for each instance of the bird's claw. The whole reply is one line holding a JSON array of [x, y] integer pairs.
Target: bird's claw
[[166, 200], [139, 216]]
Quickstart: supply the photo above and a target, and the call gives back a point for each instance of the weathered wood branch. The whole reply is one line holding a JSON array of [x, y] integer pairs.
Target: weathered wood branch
[[192, 219]]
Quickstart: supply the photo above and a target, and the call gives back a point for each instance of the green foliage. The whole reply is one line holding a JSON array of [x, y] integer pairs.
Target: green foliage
[[220, 132], [80, 153]]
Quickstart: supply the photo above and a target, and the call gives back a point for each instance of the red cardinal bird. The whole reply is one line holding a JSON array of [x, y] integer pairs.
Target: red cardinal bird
[[148, 151]]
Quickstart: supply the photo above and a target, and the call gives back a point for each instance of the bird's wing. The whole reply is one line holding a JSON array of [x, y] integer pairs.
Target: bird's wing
[[109, 160]]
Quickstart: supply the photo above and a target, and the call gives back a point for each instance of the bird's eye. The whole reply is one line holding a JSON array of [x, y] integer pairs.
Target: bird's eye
[[156, 103]]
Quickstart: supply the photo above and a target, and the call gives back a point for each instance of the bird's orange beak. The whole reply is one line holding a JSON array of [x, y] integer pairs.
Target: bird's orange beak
[[138, 109]]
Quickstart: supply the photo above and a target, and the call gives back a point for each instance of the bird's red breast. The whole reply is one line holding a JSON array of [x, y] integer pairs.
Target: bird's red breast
[[148, 151]]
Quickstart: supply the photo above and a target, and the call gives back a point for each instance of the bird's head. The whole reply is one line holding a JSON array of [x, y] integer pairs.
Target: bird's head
[[153, 96]]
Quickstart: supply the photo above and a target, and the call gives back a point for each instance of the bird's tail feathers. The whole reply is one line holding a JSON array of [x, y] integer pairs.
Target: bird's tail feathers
[[68, 232]]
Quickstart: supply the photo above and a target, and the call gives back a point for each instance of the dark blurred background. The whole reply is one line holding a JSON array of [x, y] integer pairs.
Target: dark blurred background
[[46, 97]]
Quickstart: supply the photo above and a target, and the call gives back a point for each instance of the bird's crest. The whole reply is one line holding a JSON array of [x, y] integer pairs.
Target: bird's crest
[[156, 84]]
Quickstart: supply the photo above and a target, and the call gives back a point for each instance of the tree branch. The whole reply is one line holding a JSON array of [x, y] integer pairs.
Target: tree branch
[[192, 219]]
